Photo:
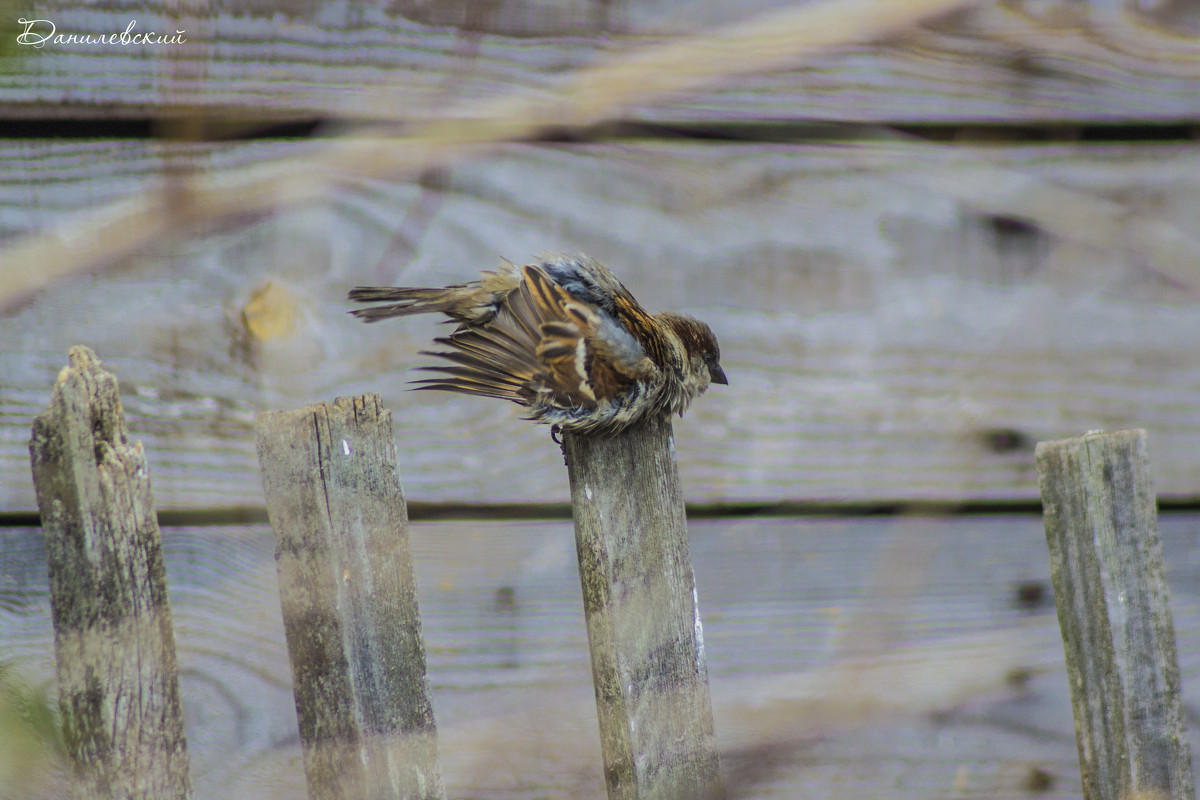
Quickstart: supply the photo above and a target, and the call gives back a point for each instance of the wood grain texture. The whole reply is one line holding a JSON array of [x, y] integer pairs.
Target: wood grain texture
[[350, 601], [898, 321], [901, 659], [118, 679], [643, 616], [1107, 568], [1026, 61]]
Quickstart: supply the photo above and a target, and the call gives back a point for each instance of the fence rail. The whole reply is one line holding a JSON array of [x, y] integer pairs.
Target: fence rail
[[353, 628], [1107, 569], [114, 644], [349, 599]]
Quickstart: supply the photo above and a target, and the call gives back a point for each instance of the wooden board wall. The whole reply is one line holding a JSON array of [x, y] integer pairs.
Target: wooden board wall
[[1021, 61], [897, 320], [884, 658], [900, 321]]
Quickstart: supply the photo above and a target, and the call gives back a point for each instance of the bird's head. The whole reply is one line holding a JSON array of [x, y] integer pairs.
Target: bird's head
[[702, 354]]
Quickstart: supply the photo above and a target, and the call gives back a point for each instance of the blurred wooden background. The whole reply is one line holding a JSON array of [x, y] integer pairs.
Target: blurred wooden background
[[901, 320], [897, 658], [921, 256]]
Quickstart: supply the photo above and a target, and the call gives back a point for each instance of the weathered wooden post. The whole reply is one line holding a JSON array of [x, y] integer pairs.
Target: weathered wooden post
[[1106, 565], [643, 617], [349, 601], [113, 642]]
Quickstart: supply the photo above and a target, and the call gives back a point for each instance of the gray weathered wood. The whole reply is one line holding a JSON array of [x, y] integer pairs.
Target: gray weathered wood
[[349, 601], [507, 653], [1006, 62], [883, 311], [113, 641], [1107, 569], [643, 616]]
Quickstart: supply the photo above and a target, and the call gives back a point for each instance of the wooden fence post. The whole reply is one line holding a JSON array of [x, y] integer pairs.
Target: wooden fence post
[[1106, 565], [113, 642], [349, 601], [643, 618]]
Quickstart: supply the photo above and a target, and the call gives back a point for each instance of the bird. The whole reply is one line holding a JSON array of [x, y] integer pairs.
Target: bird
[[562, 337]]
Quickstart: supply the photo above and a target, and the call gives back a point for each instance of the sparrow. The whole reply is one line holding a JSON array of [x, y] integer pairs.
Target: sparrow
[[564, 338]]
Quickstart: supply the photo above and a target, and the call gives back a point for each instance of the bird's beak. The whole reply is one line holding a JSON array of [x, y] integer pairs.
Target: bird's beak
[[717, 375]]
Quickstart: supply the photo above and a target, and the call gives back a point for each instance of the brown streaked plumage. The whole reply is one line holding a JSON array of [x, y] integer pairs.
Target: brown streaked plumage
[[564, 338]]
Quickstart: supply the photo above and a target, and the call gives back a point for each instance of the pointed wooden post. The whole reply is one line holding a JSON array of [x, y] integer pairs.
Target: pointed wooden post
[[350, 601], [114, 646], [643, 616], [1106, 565]]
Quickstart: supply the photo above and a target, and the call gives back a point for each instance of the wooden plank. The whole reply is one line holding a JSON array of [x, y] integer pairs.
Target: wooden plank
[[1096, 61], [643, 616], [350, 601], [830, 677], [114, 647], [884, 312], [1107, 568]]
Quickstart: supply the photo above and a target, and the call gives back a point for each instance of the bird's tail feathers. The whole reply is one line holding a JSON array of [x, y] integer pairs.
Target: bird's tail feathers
[[404, 301]]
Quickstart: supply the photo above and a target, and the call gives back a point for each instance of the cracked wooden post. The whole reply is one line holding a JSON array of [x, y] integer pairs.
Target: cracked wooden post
[[113, 641], [643, 618], [1106, 565], [349, 601]]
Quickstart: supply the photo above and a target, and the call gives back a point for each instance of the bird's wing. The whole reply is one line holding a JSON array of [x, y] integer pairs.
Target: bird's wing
[[543, 347]]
